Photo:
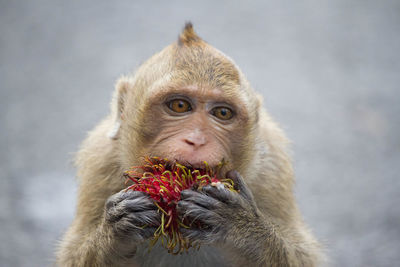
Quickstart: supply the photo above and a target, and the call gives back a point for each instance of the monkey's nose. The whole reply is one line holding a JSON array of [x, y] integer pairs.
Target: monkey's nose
[[195, 141]]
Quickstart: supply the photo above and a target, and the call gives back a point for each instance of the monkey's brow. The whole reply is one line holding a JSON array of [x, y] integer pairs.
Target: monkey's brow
[[191, 92]]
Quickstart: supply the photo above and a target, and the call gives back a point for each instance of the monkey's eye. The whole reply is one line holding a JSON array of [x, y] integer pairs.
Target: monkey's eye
[[179, 105], [222, 113]]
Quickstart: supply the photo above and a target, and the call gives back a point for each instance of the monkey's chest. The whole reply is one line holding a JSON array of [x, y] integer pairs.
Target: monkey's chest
[[159, 257]]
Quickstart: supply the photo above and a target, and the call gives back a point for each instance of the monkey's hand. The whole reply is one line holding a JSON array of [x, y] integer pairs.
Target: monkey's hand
[[218, 215], [131, 215]]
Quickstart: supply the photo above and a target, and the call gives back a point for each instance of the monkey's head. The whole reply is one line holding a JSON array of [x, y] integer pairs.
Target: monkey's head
[[188, 103]]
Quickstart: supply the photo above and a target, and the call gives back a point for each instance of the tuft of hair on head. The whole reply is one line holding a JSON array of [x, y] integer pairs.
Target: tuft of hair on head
[[188, 35]]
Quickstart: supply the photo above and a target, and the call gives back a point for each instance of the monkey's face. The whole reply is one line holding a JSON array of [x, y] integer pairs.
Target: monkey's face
[[194, 124], [188, 103]]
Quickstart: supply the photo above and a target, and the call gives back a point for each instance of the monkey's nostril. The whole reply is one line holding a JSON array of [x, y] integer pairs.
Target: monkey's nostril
[[190, 142]]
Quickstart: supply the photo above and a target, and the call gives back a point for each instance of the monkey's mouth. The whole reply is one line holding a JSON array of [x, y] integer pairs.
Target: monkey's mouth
[[219, 167]]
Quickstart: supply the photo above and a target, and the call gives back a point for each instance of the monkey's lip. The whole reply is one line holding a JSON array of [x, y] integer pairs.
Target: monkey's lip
[[203, 167], [198, 165]]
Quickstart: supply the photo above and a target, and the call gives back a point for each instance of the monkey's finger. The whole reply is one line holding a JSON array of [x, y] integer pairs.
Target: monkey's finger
[[148, 232], [140, 203], [120, 196], [192, 212], [240, 184], [220, 193], [148, 217], [196, 235], [200, 199], [116, 210], [135, 232], [189, 209]]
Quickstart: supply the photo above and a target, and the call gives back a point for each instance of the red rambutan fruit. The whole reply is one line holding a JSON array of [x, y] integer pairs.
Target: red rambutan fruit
[[164, 180]]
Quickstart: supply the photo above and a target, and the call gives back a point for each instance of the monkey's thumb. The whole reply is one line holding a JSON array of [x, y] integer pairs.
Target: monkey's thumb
[[240, 184]]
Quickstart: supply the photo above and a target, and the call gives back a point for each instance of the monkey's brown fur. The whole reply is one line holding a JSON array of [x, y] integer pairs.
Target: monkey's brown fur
[[261, 158]]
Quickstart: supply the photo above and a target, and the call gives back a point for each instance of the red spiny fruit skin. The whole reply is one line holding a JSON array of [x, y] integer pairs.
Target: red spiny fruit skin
[[164, 181]]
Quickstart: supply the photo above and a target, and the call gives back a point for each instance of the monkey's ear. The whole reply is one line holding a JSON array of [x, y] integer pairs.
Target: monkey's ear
[[259, 103], [117, 106]]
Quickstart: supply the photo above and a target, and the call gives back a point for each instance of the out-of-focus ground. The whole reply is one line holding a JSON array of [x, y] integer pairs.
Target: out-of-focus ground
[[329, 72]]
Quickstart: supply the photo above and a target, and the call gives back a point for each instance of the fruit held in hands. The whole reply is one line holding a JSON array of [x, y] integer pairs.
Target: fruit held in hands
[[164, 180]]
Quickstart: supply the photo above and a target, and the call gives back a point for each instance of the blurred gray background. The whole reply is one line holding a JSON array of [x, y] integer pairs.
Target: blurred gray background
[[329, 72]]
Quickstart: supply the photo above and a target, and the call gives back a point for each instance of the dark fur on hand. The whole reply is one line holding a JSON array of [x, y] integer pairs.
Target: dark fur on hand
[[132, 215], [215, 210]]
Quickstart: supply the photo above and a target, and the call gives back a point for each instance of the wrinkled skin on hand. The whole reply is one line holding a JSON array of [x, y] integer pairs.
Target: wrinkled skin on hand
[[132, 215], [215, 212]]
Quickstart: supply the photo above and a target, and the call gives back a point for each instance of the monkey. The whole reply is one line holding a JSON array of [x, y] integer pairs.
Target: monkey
[[190, 103]]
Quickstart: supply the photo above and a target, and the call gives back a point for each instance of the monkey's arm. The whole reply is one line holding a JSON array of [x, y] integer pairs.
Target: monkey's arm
[[105, 229], [110, 237], [234, 221]]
